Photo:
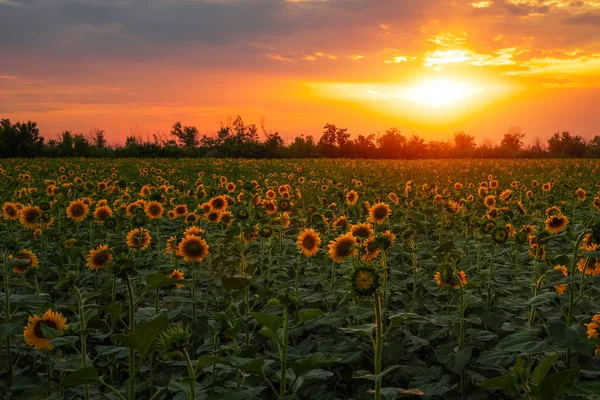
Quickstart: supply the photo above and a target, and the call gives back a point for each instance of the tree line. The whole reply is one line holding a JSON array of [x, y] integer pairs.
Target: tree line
[[238, 140]]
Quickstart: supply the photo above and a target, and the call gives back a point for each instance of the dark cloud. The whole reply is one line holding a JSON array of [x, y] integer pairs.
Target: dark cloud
[[589, 18]]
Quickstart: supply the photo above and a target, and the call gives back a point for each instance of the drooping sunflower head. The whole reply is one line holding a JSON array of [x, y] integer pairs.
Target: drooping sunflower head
[[139, 239], [308, 242], [364, 281], [340, 223], [379, 212], [99, 258], [371, 248], [343, 246], [192, 248], [488, 226], [449, 276], [77, 210], [34, 334], [10, 211]]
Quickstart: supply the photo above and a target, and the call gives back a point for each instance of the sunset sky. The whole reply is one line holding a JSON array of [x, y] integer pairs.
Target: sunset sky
[[429, 67]]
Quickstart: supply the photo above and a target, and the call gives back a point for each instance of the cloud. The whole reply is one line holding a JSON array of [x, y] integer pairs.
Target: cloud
[[589, 18]]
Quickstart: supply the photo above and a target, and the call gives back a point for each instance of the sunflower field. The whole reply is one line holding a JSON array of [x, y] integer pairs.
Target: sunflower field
[[299, 279]]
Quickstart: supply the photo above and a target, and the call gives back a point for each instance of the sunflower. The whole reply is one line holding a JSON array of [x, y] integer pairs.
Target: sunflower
[[379, 212], [561, 287], [593, 328], [226, 217], [351, 197], [308, 242], [371, 249], [365, 281], [589, 266], [580, 193], [10, 211], [77, 210], [154, 210], [218, 204], [33, 334], [180, 210], [29, 217], [556, 224], [447, 276], [393, 198], [26, 258], [171, 246], [177, 274], [99, 257], [505, 195], [362, 230], [101, 213], [194, 231], [139, 239], [212, 216], [270, 206], [343, 246], [341, 223], [192, 248]]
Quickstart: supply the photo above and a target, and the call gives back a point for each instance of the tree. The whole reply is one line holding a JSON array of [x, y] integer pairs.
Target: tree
[[416, 147], [20, 139], [464, 144], [391, 144], [187, 136], [564, 144], [334, 140], [512, 141], [98, 139]]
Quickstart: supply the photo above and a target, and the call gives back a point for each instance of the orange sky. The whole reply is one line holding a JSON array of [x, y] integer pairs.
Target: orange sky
[[429, 67]]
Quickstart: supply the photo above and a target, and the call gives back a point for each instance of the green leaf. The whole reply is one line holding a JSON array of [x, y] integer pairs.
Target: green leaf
[[585, 389], [365, 329], [524, 342], [372, 377], [541, 299], [50, 332], [82, 376], [64, 341], [10, 328], [235, 282], [155, 281], [407, 318], [542, 369], [555, 385], [310, 362], [144, 336], [310, 313], [181, 385], [391, 393], [272, 322], [310, 377], [504, 382]]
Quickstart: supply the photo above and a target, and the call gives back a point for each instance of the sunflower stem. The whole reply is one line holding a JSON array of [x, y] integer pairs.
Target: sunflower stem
[[7, 311], [283, 352], [130, 295], [378, 343], [80, 303], [191, 374], [490, 279]]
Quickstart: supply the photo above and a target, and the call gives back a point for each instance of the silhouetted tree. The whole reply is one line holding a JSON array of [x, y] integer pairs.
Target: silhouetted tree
[[564, 144], [187, 136], [391, 144], [464, 144], [512, 142], [20, 139]]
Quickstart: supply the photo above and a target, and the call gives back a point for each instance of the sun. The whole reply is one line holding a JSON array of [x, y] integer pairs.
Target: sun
[[438, 92]]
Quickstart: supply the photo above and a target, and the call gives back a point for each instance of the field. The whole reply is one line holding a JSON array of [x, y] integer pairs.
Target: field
[[299, 279]]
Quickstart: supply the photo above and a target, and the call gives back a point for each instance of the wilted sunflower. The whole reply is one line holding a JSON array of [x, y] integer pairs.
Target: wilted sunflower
[[379, 212], [33, 334], [139, 239], [192, 248], [308, 242], [343, 246], [77, 210], [556, 224], [365, 281], [26, 259], [177, 274], [500, 235], [154, 210], [99, 257], [362, 231], [10, 211], [29, 217], [371, 249]]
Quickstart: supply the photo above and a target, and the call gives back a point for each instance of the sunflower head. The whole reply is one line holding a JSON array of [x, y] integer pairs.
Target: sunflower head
[[448, 276], [242, 214], [192, 248], [34, 331], [266, 232], [556, 223], [69, 280], [172, 341], [364, 281], [488, 226], [122, 265], [499, 235], [110, 222]]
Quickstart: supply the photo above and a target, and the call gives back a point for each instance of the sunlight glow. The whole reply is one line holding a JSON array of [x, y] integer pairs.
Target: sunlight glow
[[438, 92]]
